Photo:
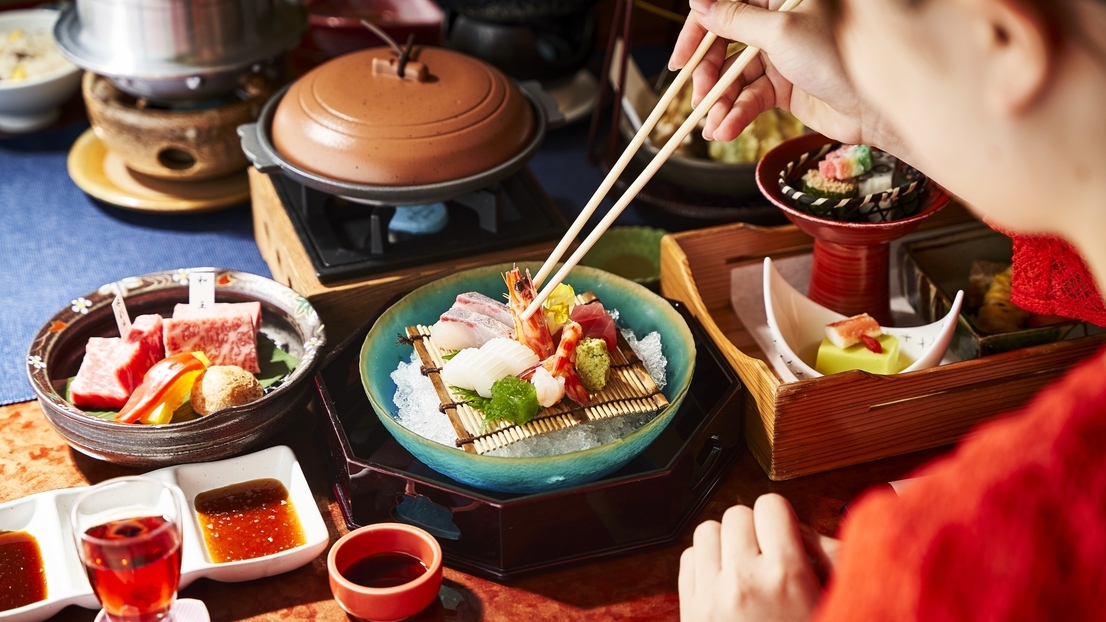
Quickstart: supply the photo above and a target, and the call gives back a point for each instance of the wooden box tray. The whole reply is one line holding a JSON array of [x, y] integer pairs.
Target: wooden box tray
[[815, 425], [933, 268]]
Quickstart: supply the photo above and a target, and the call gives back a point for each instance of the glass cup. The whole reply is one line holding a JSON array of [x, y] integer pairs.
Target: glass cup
[[128, 534]]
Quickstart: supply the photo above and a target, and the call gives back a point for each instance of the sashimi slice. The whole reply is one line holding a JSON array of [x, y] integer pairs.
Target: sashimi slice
[[459, 328], [479, 303], [596, 323], [457, 371], [477, 369]]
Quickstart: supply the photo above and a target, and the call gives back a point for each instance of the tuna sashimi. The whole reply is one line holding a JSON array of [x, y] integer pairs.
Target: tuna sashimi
[[596, 323], [460, 328], [479, 303], [224, 339], [113, 366], [252, 309]]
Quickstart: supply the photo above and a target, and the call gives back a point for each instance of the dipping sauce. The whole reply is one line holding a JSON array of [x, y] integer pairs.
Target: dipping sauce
[[248, 520], [385, 570], [22, 575]]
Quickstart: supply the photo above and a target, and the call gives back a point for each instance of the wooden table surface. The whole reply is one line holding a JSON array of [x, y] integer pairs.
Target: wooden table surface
[[34, 458]]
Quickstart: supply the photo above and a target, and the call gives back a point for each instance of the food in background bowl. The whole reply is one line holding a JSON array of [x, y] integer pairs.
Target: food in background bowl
[[769, 129], [724, 169], [35, 80], [29, 54], [288, 325]]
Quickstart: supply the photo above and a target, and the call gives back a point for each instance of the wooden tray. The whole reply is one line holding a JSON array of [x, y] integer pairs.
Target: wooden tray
[[815, 425]]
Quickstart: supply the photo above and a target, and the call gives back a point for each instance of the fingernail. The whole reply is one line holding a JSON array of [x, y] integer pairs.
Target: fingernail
[[701, 6]]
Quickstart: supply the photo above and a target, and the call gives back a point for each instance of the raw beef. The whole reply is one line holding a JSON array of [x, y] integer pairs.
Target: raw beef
[[596, 323], [113, 366], [252, 309], [224, 339]]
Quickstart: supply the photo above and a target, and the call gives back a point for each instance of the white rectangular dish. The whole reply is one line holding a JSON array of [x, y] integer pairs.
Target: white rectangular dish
[[45, 515]]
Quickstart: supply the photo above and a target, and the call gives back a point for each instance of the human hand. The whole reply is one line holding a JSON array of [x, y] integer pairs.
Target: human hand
[[754, 565], [799, 70]]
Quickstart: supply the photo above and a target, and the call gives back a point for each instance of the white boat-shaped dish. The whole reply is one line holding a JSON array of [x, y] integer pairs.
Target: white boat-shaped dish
[[798, 325], [45, 515]]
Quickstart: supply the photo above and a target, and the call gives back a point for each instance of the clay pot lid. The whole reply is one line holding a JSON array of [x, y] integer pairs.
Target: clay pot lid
[[355, 119]]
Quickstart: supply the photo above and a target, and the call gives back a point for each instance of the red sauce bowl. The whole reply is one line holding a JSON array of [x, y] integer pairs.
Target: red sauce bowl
[[385, 603]]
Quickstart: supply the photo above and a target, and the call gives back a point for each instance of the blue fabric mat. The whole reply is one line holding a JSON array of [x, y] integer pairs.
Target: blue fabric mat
[[58, 243]]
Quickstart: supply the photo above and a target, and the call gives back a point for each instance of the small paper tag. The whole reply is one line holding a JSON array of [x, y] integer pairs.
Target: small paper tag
[[122, 318], [201, 290]]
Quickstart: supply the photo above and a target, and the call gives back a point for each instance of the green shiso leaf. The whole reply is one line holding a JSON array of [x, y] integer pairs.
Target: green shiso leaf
[[448, 356], [472, 398], [275, 363]]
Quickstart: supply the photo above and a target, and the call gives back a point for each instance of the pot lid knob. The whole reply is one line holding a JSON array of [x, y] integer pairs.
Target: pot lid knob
[[400, 66]]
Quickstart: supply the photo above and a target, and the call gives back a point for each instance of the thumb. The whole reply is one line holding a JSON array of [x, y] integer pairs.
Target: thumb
[[738, 21]]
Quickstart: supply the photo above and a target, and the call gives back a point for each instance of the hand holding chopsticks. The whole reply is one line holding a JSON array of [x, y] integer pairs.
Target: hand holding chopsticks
[[724, 82]]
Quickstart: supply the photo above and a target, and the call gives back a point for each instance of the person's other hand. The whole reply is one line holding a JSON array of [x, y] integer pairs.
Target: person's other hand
[[753, 565], [798, 70]]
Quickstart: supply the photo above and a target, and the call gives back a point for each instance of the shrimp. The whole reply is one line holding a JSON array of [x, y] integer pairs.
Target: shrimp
[[534, 332], [560, 367], [561, 363]]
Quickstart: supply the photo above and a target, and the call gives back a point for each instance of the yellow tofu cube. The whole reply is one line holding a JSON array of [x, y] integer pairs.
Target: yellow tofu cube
[[832, 359]]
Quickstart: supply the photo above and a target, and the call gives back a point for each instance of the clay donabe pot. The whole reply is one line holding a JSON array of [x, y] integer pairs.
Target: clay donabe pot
[[357, 128]]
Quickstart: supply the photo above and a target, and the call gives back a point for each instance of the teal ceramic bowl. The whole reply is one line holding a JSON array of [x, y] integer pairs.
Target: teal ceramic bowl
[[639, 309]]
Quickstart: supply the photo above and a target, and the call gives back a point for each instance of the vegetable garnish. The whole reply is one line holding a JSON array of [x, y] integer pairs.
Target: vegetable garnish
[[558, 306], [871, 344], [513, 400], [163, 388]]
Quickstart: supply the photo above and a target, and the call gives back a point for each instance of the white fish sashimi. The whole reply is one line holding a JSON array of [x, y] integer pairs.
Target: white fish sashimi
[[477, 369], [459, 328], [479, 303]]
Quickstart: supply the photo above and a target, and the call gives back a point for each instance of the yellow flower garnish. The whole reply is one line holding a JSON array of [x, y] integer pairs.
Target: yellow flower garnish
[[558, 306]]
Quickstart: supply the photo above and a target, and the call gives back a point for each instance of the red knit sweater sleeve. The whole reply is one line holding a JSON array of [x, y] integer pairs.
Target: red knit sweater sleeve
[[1011, 526]]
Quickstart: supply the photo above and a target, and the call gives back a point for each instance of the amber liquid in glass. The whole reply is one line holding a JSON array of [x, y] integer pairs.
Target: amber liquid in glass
[[385, 570], [136, 572]]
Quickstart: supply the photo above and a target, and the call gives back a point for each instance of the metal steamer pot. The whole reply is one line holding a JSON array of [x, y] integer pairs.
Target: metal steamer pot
[[260, 149], [178, 50]]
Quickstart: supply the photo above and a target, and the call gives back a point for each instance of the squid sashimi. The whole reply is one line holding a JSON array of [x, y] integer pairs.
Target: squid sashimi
[[476, 369]]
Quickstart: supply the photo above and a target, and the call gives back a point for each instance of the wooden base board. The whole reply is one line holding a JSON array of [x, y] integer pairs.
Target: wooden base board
[[346, 305]]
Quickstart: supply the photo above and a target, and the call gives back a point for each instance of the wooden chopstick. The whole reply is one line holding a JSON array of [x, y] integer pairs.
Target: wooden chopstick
[[624, 159], [728, 78]]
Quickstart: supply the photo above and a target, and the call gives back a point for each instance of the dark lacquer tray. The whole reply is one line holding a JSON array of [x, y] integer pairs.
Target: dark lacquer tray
[[647, 503]]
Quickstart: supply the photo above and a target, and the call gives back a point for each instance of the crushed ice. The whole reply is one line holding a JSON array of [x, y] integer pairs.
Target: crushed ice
[[417, 409]]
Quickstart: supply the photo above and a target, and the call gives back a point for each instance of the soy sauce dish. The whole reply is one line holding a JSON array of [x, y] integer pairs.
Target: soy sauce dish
[[386, 571], [45, 518]]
